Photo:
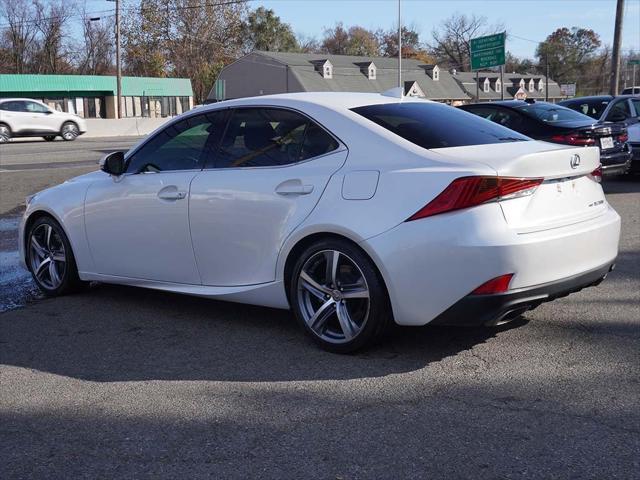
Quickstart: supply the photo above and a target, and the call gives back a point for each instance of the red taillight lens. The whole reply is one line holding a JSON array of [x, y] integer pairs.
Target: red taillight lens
[[597, 174], [496, 285], [623, 138], [573, 139], [468, 192]]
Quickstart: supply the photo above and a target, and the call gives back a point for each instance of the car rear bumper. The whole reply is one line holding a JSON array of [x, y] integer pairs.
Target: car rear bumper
[[431, 264], [616, 163], [488, 310], [635, 157]]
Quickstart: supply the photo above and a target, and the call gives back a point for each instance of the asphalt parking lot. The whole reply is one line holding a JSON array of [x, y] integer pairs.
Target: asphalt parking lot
[[121, 382]]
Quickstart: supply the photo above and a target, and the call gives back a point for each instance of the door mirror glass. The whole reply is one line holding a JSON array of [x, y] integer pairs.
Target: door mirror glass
[[113, 163]]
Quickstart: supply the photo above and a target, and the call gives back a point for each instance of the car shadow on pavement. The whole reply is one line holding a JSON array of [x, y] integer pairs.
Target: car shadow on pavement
[[622, 184], [115, 333]]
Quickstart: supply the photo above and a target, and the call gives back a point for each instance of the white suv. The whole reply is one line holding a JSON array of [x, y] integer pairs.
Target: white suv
[[23, 117]]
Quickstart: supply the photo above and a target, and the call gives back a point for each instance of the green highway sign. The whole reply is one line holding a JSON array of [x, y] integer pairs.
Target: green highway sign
[[487, 52], [634, 62]]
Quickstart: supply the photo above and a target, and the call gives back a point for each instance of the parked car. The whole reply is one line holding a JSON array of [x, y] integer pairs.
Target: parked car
[[23, 117], [352, 209], [606, 108], [631, 91], [558, 124]]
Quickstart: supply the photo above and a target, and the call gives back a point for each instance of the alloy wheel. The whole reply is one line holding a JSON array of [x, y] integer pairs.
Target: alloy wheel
[[333, 296], [5, 134], [69, 131], [47, 256]]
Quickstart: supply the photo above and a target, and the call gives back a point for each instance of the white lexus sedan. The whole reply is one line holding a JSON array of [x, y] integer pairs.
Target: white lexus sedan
[[354, 210]]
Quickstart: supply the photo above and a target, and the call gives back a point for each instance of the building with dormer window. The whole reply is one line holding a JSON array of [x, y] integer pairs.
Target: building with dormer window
[[514, 86], [264, 73]]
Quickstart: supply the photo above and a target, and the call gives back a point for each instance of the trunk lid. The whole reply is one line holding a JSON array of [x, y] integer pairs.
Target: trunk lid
[[568, 193]]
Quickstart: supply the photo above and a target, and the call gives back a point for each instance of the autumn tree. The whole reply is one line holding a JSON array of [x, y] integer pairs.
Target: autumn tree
[[568, 51], [451, 41], [388, 40], [335, 40], [52, 53], [263, 30]]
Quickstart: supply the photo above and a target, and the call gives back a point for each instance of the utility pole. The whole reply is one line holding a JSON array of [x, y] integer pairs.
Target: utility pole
[[400, 45], [501, 82], [617, 41], [118, 63], [546, 73]]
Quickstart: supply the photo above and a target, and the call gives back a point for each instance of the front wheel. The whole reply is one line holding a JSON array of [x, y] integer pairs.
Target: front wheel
[[69, 131], [5, 133], [50, 258], [338, 296]]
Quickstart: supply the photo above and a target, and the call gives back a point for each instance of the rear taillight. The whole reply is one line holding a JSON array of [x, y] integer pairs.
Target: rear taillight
[[597, 174], [495, 285], [573, 139], [623, 138], [468, 192]]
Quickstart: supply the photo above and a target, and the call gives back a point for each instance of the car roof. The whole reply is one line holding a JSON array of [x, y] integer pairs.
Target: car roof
[[2, 100], [509, 103], [331, 100], [592, 98]]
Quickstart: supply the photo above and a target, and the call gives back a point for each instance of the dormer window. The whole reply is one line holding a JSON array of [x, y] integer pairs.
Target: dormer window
[[541, 85], [531, 85], [436, 73], [498, 86], [522, 83], [486, 85], [372, 72]]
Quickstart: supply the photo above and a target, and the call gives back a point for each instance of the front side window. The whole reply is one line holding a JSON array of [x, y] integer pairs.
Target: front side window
[[34, 107], [184, 145], [433, 125], [618, 111], [267, 137]]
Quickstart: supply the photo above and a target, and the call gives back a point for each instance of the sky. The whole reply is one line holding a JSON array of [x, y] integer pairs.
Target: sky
[[531, 20]]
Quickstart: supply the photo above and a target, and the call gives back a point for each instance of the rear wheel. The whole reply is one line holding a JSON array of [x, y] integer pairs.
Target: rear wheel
[[49, 138], [50, 258], [69, 131], [5, 133], [337, 295]]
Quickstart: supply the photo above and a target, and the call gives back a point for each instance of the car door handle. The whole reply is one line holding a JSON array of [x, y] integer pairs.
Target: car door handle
[[294, 187], [171, 193]]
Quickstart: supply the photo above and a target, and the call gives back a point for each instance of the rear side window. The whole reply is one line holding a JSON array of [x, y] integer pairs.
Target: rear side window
[[549, 113], [267, 137], [13, 106], [593, 108], [433, 125]]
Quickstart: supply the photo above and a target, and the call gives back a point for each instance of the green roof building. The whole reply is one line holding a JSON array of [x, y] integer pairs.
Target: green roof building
[[93, 96]]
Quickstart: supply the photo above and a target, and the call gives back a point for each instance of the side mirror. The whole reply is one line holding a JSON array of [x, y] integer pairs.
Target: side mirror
[[113, 163], [48, 112]]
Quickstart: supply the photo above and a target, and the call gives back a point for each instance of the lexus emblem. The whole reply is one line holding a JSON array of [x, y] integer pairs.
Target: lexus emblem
[[575, 161]]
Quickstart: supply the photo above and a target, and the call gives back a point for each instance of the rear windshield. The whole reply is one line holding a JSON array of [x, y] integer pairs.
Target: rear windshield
[[592, 108], [549, 113], [434, 125]]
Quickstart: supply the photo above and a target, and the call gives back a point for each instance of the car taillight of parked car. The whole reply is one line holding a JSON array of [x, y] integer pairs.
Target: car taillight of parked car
[[597, 174], [573, 139], [623, 138]]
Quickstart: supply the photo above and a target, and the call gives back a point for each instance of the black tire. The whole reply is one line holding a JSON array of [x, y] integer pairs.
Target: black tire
[[50, 138], [5, 133], [67, 274], [69, 131], [365, 330]]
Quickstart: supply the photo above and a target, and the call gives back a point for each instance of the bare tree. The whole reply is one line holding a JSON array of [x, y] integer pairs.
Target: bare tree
[[452, 39], [51, 47], [18, 35], [96, 50]]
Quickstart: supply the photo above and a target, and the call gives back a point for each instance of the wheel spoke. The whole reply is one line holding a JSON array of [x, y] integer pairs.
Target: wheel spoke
[[42, 267], [309, 283], [47, 236], [39, 249], [53, 274], [58, 257], [355, 293], [319, 319], [349, 329], [332, 266]]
